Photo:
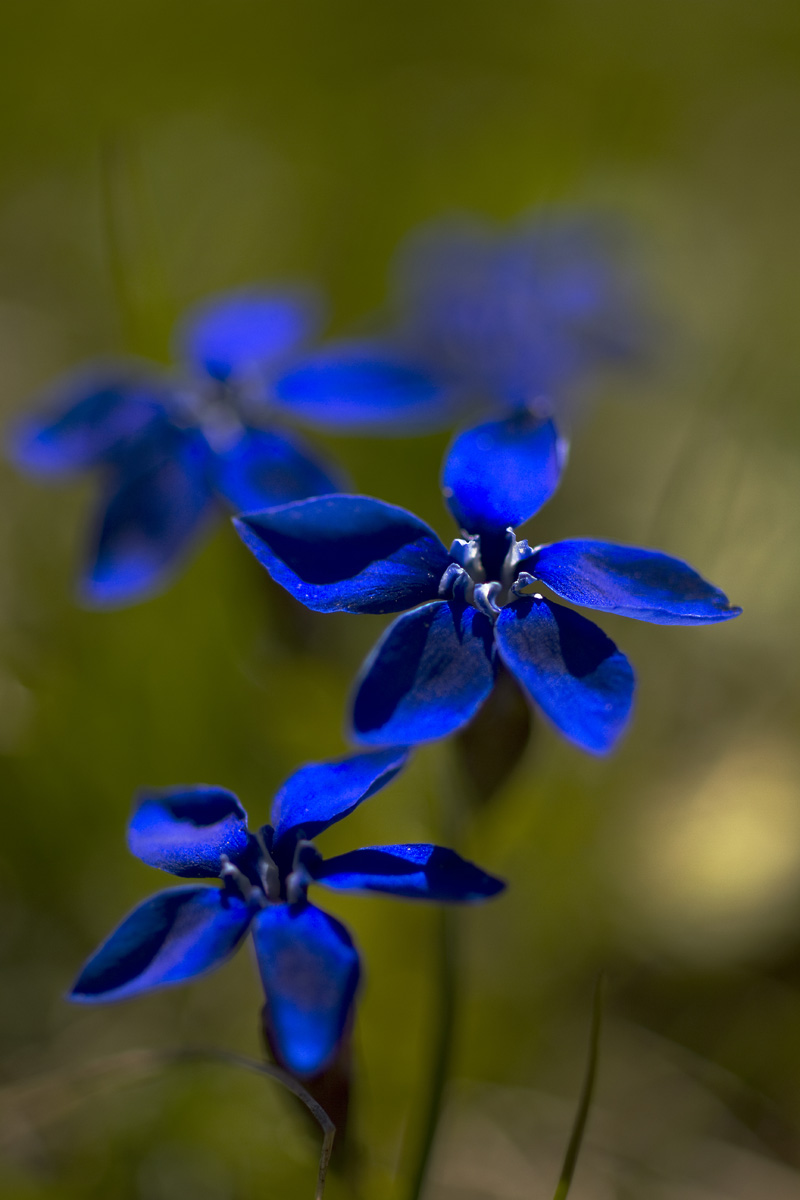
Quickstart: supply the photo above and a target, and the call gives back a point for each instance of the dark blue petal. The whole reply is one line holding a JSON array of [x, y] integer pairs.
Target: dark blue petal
[[320, 794], [309, 968], [150, 520], [185, 830], [347, 553], [427, 676], [240, 334], [263, 469], [636, 583], [570, 669], [89, 418], [366, 387], [418, 872], [173, 936], [501, 473]]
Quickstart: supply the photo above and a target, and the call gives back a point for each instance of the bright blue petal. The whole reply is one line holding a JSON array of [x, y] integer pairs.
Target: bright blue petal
[[501, 473], [173, 936], [186, 830], [151, 519], [309, 968], [319, 794], [636, 583], [89, 418], [241, 334], [419, 872], [366, 387], [428, 675], [264, 469], [570, 669], [347, 553]]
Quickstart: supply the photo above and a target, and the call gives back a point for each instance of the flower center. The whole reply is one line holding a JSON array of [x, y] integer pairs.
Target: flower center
[[260, 877], [466, 579]]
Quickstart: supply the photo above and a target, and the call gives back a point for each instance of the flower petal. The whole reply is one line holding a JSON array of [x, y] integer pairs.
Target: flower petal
[[309, 968], [420, 872], [644, 584], [185, 830], [501, 473], [319, 794], [366, 387], [427, 676], [572, 671], [264, 469], [239, 334], [347, 553], [172, 937], [149, 521], [89, 417]]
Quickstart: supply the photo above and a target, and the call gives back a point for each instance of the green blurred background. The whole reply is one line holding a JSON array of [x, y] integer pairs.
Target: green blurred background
[[304, 140]]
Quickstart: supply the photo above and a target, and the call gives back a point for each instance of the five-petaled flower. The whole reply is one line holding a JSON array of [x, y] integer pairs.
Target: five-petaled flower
[[172, 445], [307, 961], [484, 320], [436, 665]]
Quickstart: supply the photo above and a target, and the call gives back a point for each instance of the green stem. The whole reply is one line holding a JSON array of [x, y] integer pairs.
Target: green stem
[[447, 989], [587, 1092]]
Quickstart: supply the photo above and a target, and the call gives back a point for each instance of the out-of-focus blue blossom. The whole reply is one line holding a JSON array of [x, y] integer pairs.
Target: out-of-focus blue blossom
[[435, 666], [171, 446], [308, 964], [484, 319]]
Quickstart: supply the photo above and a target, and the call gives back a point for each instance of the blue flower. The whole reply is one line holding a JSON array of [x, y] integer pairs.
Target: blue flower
[[486, 320], [171, 446], [435, 666], [308, 964]]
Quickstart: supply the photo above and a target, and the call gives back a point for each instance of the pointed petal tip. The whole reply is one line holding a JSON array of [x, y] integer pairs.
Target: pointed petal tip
[[347, 553], [411, 872], [630, 581]]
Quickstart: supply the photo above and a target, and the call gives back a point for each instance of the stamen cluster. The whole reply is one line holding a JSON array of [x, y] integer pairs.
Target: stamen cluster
[[465, 577]]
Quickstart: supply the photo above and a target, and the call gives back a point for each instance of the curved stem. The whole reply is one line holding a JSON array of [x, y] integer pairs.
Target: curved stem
[[144, 1062], [587, 1092], [446, 984], [291, 1084]]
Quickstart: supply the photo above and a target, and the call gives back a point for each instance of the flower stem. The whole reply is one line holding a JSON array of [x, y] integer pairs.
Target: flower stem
[[291, 1084], [587, 1092], [446, 987]]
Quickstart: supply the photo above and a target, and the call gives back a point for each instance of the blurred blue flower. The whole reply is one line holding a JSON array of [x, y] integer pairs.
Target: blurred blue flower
[[435, 666], [172, 446], [308, 964], [485, 319]]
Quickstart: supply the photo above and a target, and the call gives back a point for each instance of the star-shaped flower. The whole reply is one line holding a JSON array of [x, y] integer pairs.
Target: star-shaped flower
[[483, 320], [435, 666], [308, 964], [171, 446]]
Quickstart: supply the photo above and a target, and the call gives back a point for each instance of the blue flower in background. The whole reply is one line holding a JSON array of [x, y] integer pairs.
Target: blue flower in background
[[172, 446], [308, 964], [435, 666], [485, 320]]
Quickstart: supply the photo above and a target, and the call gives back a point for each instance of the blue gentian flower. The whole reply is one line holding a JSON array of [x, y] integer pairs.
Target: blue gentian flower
[[486, 320], [435, 666], [308, 964], [171, 446]]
